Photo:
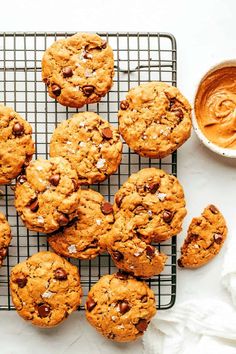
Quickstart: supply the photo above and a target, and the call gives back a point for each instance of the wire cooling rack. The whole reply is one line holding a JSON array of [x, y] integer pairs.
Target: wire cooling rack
[[139, 57]]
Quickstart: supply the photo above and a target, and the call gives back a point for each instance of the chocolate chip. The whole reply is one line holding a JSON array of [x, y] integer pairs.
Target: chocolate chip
[[88, 90], [179, 113], [192, 237], [144, 298], [76, 184], [142, 325], [139, 209], [124, 307], [56, 90], [60, 274], [34, 205], [167, 216], [121, 275], [107, 133], [118, 256], [44, 310], [63, 220], [107, 208], [21, 282], [150, 250], [104, 44], [213, 209], [67, 71], [18, 129], [54, 179], [87, 55], [180, 264], [118, 199], [153, 187], [21, 179], [90, 304], [218, 238], [124, 105], [172, 102], [3, 253]]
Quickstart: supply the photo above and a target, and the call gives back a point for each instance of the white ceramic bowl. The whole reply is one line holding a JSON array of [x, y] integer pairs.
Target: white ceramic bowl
[[219, 150]]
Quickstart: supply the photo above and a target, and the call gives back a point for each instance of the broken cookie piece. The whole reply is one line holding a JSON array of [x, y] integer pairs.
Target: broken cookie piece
[[205, 238]]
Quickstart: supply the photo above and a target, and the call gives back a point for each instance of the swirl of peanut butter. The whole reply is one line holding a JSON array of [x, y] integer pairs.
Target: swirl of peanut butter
[[215, 107]]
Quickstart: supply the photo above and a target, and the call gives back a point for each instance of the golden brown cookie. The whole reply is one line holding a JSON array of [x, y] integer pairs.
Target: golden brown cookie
[[16, 145], [155, 119], [130, 253], [45, 289], [90, 144], [154, 203], [79, 69], [82, 238], [120, 307], [205, 238], [46, 197], [5, 237]]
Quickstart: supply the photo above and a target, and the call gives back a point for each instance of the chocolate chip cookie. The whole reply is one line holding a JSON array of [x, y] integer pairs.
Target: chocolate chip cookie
[[155, 119], [153, 201], [205, 238], [45, 289], [5, 237], [130, 253], [16, 145], [120, 307], [82, 238], [79, 69], [90, 144], [46, 197]]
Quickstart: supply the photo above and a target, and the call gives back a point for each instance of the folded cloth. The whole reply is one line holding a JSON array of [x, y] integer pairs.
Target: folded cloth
[[229, 269], [198, 326]]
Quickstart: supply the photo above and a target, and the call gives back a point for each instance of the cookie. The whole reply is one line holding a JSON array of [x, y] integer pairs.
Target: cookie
[[120, 307], [46, 197], [90, 144], [16, 145], [155, 119], [78, 70], [130, 253], [45, 289], [82, 238], [5, 237], [154, 203], [205, 238]]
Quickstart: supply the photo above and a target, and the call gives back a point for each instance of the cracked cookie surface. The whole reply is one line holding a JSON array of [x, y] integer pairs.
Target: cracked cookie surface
[[120, 307], [46, 197], [16, 144], [130, 253], [5, 237], [205, 238], [153, 202], [78, 70], [82, 238], [155, 119], [45, 289], [90, 143]]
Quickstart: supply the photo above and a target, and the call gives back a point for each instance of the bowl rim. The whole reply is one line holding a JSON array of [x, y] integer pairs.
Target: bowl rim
[[231, 153]]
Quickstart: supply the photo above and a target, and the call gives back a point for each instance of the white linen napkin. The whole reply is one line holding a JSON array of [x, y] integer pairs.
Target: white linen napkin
[[198, 326], [229, 269]]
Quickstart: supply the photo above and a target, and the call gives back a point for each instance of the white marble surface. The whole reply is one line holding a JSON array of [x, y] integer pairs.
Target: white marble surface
[[205, 33]]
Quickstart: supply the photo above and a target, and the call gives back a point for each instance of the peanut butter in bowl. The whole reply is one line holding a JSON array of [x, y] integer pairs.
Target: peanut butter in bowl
[[215, 109]]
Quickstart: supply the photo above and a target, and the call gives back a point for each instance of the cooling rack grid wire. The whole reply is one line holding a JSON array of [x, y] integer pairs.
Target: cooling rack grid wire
[[139, 57]]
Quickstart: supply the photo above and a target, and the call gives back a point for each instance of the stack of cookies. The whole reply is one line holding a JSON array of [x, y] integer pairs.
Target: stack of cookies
[[154, 120]]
